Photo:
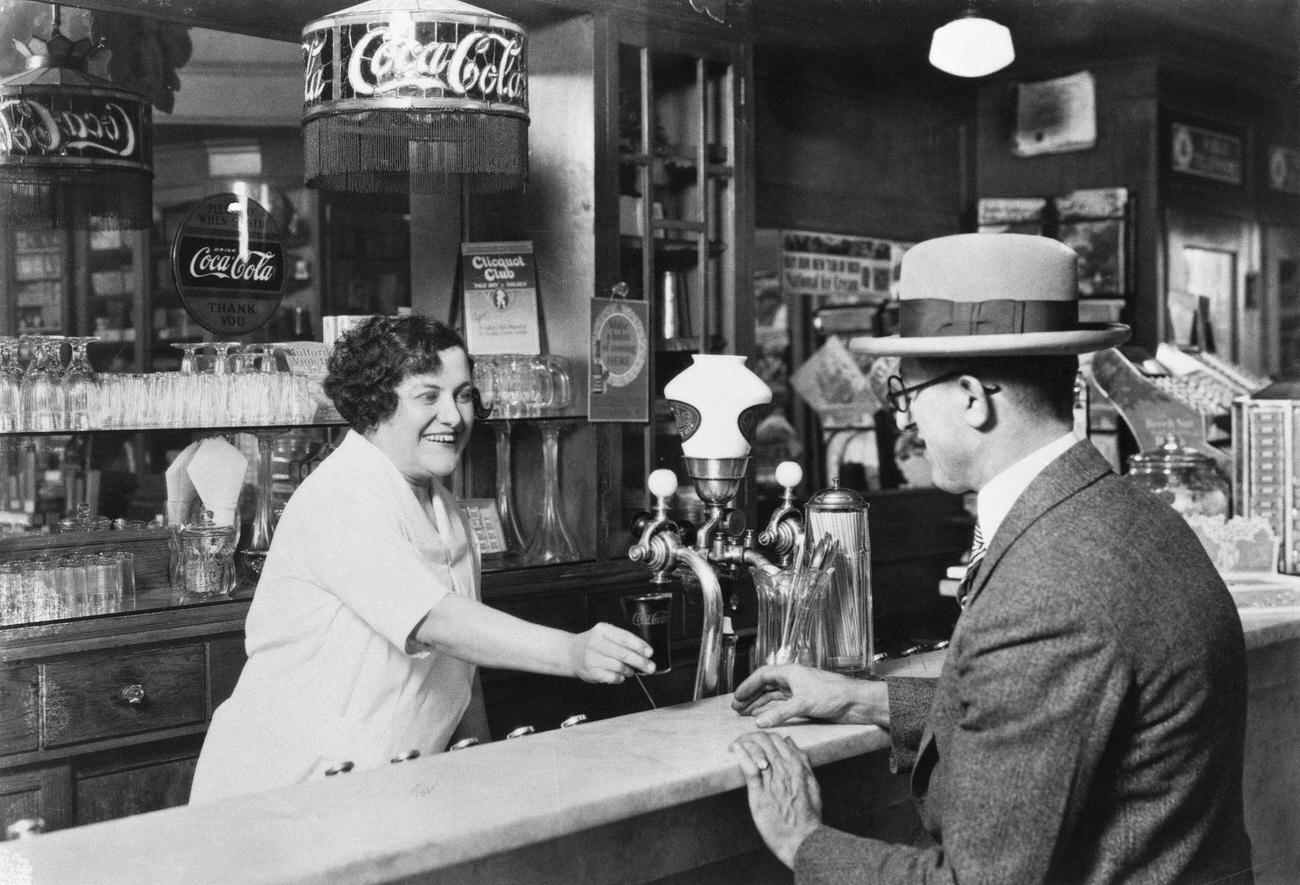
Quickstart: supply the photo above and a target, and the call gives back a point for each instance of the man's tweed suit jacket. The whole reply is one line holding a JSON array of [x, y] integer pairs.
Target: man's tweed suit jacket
[[1088, 723]]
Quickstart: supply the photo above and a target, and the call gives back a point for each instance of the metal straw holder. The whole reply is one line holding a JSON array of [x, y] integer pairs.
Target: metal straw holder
[[848, 632]]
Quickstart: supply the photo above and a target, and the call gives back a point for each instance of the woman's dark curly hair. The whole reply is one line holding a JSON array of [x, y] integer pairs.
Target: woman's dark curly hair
[[372, 359]]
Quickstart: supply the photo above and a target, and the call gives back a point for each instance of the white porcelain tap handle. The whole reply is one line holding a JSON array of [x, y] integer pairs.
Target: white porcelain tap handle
[[789, 474], [662, 483]]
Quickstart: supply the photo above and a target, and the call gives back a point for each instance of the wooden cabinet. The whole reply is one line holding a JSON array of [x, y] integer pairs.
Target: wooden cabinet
[[102, 717]]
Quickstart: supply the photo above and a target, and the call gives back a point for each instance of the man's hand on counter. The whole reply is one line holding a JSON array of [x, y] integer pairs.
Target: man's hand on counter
[[773, 695], [784, 797], [606, 653]]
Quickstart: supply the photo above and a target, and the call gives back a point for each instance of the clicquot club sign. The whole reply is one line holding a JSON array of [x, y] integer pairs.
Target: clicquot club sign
[[228, 261]]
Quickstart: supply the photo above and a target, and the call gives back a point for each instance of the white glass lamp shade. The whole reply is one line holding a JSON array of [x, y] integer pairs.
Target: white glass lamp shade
[[717, 403], [971, 46]]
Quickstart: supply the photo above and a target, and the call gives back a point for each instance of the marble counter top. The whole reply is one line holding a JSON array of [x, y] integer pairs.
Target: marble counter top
[[483, 814], [432, 814]]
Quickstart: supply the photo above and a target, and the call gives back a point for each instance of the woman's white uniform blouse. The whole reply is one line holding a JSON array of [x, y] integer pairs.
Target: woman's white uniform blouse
[[354, 567]]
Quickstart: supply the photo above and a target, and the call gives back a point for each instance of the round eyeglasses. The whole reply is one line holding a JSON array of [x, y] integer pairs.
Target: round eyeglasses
[[900, 396]]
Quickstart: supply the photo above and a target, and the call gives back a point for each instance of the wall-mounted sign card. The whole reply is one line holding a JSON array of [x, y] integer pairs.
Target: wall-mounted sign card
[[843, 269], [1056, 116], [1284, 169], [485, 522], [1013, 215], [228, 260], [500, 287], [618, 387], [1205, 153]]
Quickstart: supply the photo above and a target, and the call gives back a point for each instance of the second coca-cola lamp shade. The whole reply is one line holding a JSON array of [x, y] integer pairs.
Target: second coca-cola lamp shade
[[418, 96], [75, 150]]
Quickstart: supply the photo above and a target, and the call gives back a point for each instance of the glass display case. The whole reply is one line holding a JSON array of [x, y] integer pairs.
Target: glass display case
[[683, 197]]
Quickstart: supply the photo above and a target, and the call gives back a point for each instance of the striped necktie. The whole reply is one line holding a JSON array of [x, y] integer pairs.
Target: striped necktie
[[977, 551]]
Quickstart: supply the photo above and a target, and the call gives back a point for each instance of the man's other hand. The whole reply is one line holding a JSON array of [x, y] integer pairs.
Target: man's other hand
[[784, 797]]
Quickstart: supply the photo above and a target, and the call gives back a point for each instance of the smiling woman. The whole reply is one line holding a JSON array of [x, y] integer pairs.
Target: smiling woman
[[366, 632]]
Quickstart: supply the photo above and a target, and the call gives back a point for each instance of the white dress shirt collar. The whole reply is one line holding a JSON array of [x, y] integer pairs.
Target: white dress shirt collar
[[995, 499]]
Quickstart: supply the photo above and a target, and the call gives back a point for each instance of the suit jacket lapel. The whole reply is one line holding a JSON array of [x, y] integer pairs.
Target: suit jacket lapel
[[1080, 466]]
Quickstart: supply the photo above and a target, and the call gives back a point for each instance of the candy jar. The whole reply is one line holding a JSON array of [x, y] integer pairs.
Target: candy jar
[[207, 566], [1182, 477]]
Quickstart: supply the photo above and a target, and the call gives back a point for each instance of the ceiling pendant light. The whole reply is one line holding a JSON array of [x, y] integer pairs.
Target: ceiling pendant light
[[75, 149], [418, 96], [971, 46]]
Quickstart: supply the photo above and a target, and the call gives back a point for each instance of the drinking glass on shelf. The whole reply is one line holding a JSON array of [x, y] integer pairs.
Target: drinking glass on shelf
[[42, 387], [538, 384], [9, 363], [11, 398], [189, 356], [221, 362], [80, 386], [561, 385]]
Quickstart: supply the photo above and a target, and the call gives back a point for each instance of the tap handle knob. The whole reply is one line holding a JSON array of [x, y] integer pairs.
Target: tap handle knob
[[662, 483], [788, 475]]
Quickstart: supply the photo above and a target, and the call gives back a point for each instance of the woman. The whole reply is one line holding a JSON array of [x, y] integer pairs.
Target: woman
[[366, 629]]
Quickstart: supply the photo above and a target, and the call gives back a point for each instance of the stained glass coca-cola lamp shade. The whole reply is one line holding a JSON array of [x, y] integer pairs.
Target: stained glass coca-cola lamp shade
[[75, 149], [418, 96]]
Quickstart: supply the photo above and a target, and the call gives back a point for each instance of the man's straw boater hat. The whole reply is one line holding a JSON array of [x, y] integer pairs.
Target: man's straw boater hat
[[991, 295]]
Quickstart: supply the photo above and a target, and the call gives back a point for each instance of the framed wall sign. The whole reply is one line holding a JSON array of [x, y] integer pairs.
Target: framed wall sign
[[618, 387], [228, 261], [1283, 169], [1206, 153]]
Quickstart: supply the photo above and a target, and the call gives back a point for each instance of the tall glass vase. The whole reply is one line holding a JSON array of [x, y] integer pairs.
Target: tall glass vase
[[253, 557], [552, 541], [514, 538]]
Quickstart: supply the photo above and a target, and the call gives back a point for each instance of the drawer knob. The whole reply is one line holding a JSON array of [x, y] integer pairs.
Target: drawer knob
[[519, 732], [22, 829], [341, 768], [464, 743], [132, 694], [574, 720], [402, 757]]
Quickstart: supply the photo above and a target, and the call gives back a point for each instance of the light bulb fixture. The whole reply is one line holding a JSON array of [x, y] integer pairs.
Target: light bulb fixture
[[971, 46]]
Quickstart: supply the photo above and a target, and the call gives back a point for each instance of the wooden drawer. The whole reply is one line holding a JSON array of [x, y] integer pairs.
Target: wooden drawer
[[134, 789], [19, 722], [96, 696]]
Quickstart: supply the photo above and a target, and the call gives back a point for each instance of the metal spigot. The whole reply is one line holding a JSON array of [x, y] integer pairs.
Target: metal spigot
[[785, 528], [660, 547]]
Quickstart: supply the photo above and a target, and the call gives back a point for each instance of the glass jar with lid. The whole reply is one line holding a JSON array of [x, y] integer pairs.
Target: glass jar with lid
[[1183, 477], [207, 557]]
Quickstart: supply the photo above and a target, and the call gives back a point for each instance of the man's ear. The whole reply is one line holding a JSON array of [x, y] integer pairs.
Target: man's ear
[[979, 412]]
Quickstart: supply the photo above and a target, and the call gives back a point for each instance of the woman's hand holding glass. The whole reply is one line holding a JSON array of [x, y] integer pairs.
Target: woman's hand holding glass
[[608, 654]]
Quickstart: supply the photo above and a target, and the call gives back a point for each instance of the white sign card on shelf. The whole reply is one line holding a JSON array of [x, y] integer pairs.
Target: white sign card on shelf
[[499, 283]]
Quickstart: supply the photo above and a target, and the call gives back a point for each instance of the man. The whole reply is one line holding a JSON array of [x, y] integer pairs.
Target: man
[[1088, 723]]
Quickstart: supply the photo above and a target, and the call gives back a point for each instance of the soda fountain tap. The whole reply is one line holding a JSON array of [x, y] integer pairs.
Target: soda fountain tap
[[661, 549], [785, 528]]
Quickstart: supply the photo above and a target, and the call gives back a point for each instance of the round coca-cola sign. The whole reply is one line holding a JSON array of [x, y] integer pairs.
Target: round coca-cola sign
[[228, 262]]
